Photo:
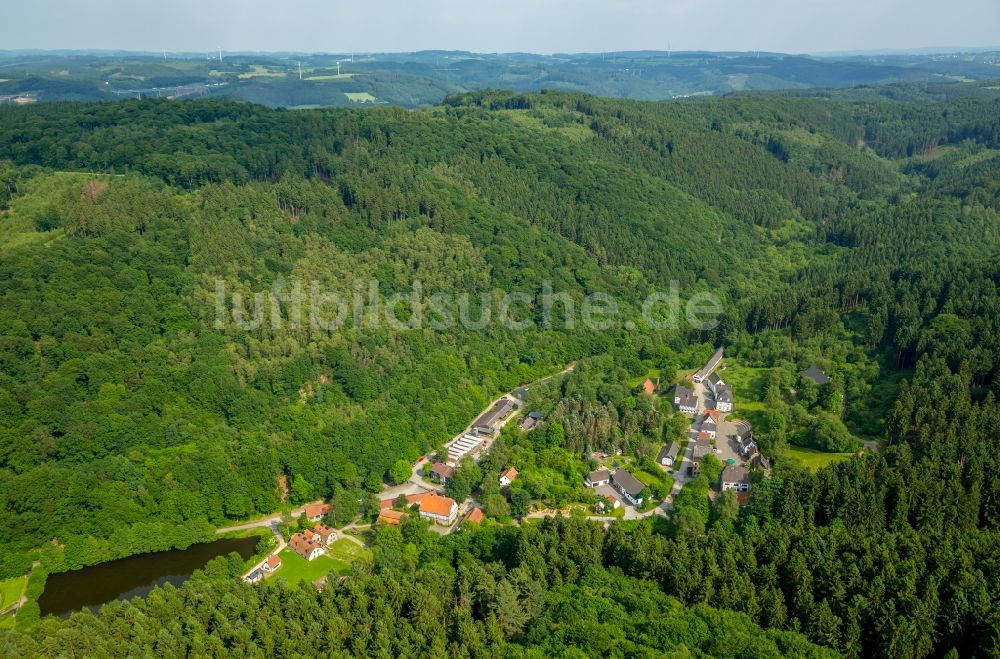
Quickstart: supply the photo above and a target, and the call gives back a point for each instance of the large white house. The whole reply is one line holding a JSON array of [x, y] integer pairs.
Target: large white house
[[439, 509], [685, 400], [306, 547]]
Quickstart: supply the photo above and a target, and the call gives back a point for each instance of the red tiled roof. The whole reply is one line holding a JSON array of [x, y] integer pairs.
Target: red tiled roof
[[417, 498], [511, 474], [316, 509], [273, 561], [324, 531], [386, 503], [436, 505], [303, 545], [475, 515], [393, 517]]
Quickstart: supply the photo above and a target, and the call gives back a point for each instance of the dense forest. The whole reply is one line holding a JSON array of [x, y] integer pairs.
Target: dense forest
[[859, 234], [512, 592]]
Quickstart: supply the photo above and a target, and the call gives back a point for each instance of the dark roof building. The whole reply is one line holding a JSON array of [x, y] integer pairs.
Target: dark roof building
[[442, 471], [685, 400], [709, 366], [489, 421], [627, 484], [813, 373], [735, 477], [668, 453], [701, 449], [599, 477]]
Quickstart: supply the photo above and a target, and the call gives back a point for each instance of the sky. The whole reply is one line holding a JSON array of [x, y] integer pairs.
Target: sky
[[539, 26]]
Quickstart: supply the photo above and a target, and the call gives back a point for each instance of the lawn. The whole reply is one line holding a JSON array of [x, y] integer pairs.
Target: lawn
[[337, 560], [748, 386], [11, 591], [812, 459]]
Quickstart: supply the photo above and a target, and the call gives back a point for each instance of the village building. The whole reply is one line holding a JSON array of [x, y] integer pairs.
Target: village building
[[254, 576], [466, 445], [709, 367], [816, 375], [489, 422], [314, 511], [306, 547], [508, 477], [724, 398], [735, 477], [475, 515], [272, 563], [685, 400], [530, 420], [630, 487], [324, 534], [701, 448], [649, 387], [709, 426], [442, 472], [390, 517], [599, 477], [438, 509], [668, 454]]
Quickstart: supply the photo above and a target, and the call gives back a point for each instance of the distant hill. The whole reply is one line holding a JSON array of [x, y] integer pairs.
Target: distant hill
[[425, 78]]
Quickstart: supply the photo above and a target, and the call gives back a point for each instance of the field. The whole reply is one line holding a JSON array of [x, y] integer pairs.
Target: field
[[337, 560], [262, 72], [11, 591], [360, 97], [812, 459]]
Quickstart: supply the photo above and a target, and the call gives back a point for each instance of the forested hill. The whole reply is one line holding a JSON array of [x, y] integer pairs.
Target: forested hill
[[864, 234]]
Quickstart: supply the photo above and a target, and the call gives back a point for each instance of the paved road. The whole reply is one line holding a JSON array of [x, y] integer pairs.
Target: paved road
[[265, 521]]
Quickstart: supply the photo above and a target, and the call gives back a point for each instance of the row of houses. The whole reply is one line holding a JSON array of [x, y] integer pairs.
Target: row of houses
[[723, 392]]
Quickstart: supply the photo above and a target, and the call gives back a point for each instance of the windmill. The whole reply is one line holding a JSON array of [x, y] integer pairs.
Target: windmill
[[300, 71], [220, 53]]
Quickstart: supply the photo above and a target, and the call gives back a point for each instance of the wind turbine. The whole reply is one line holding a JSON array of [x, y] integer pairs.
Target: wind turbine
[[300, 71], [220, 53], [338, 68]]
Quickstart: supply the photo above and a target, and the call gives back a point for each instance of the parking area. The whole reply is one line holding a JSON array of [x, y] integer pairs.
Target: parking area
[[725, 441]]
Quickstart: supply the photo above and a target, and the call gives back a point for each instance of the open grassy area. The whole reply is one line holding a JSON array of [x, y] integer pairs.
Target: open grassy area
[[748, 386], [262, 72], [11, 591], [337, 561], [360, 97], [812, 459]]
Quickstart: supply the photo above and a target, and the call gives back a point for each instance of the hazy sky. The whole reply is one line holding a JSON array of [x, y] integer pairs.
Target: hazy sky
[[541, 26]]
